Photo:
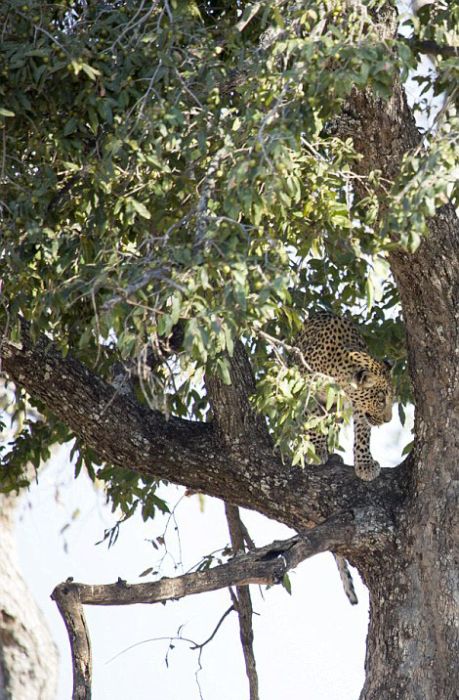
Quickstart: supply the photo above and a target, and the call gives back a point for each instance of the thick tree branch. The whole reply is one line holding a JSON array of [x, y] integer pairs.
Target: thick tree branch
[[126, 434]]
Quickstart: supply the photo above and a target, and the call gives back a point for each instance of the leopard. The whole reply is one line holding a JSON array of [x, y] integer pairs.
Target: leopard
[[331, 345]]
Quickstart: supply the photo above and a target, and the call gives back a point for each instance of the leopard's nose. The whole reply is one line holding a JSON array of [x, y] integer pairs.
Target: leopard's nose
[[388, 414]]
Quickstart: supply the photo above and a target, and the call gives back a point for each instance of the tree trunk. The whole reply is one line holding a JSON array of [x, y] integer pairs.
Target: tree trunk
[[28, 656], [413, 639], [413, 636]]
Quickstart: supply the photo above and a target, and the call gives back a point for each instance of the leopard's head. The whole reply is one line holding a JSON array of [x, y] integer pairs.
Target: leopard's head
[[370, 387]]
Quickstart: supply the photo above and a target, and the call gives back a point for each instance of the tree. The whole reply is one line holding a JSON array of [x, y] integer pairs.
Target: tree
[[182, 181], [28, 656]]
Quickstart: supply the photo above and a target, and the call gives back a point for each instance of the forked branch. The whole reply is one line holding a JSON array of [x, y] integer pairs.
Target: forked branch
[[265, 565]]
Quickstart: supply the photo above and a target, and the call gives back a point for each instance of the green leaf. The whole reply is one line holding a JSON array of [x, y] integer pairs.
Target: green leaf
[[70, 126], [407, 449], [140, 208], [176, 306], [89, 70], [287, 584], [401, 413], [331, 397], [228, 340], [369, 292]]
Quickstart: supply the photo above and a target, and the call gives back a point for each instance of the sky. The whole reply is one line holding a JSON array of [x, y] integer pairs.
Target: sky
[[309, 645]]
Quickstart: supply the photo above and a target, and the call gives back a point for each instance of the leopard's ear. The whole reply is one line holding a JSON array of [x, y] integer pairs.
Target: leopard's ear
[[389, 363], [363, 375], [363, 378]]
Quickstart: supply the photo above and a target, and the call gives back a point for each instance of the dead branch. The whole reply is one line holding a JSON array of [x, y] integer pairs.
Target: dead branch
[[243, 601], [68, 600], [265, 565]]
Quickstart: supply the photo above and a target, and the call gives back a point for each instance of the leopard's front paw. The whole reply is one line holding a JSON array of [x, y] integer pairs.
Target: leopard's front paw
[[367, 470]]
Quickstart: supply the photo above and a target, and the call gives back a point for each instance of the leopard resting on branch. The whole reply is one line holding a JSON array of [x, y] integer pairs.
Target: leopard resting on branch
[[331, 345]]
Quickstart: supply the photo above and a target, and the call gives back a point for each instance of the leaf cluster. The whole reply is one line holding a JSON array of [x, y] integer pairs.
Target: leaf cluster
[[171, 164]]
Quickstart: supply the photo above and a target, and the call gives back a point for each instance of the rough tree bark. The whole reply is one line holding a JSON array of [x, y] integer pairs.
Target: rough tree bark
[[28, 656]]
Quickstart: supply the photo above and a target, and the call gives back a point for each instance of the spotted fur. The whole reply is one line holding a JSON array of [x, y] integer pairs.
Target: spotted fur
[[346, 579], [331, 345]]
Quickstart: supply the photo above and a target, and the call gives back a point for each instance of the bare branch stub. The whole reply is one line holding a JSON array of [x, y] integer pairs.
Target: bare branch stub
[[70, 597], [67, 599]]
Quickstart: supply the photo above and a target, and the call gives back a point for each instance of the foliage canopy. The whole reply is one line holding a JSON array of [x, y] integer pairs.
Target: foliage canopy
[[176, 165]]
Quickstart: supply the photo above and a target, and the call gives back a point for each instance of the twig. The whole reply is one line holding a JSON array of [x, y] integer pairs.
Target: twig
[[39, 28], [3, 165], [194, 646], [131, 24], [217, 627], [247, 539], [141, 283], [290, 348]]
